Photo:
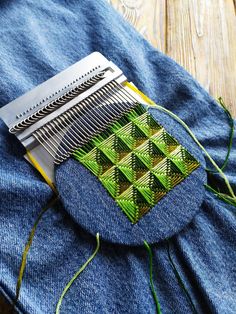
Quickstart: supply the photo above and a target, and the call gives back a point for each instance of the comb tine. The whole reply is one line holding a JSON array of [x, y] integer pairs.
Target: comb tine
[[77, 104]]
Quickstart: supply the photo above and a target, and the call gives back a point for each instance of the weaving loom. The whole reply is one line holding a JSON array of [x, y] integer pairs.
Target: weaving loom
[[143, 218], [89, 111]]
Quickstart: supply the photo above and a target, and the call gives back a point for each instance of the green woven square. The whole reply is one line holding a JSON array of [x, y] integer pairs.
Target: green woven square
[[137, 162]]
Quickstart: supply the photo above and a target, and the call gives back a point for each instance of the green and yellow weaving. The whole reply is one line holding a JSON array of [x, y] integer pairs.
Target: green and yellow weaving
[[137, 161]]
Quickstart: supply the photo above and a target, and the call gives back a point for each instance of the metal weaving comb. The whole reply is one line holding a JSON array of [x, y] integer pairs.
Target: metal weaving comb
[[65, 112]]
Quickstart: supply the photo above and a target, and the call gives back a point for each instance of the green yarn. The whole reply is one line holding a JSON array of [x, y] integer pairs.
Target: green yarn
[[149, 250], [230, 199], [67, 287], [231, 136], [217, 168], [27, 248], [180, 281], [137, 162], [222, 196]]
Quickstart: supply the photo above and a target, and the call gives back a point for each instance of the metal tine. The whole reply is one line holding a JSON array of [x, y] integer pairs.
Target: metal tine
[[91, 115], [75, 143], [42, 143], [73, 138], [124, 107], [76, 126], [101, 94], [120, 91], [114, 96], [54, 125], [50, 140], [58, 131], [40, 134], [106, 90], [64, 139], [101, 107], [53, 135], [81, 109], [115, 112], [54, 104], [122, 97], [100, 104], [75, 123], [109, 94], [43, 135], [112, 92], [68, 115], [97, 95], [71, 116], [74, 116], [76, 113], [89, 103], [57, 161], [124, 91], [117, 96], [77, 116], [76, 140]]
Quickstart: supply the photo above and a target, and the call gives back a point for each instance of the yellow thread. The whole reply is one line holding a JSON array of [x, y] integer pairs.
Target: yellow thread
[[144, 97], [28, 244], [41, 171], [67, 287]]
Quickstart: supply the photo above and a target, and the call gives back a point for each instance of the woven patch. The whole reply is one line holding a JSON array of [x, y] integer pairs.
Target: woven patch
[[137, 161]]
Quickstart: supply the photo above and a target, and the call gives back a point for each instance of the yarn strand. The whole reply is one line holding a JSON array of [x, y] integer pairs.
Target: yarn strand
[[178, 277], [149, 250], [67, 287], [221, 173], [231, 125], [53, 200], [222, 196]]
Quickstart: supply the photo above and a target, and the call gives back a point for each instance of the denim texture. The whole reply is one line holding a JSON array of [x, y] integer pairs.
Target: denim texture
[[97, 211], [39, 39]]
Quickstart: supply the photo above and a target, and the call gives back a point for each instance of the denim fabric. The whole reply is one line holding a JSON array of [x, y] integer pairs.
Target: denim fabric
[[39, 39], [97, 211]]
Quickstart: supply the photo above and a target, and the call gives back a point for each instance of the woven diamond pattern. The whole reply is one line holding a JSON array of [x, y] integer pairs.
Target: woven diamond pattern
[[137, 162]]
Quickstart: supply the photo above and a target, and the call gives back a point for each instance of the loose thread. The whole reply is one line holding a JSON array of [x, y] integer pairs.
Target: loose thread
[[224, 197], [231, 124], [27, 248], [200, 145], [149, 250], [67, 287], [178, 277]]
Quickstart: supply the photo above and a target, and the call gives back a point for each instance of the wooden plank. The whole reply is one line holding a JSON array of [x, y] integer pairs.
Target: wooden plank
[[198, 34], [5, 307], [147, 17]]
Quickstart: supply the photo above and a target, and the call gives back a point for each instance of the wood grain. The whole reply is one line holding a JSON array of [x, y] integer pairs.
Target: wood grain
[[198, 34]]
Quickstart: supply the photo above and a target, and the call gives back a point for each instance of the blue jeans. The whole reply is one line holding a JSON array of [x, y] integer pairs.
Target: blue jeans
[[37, 41]]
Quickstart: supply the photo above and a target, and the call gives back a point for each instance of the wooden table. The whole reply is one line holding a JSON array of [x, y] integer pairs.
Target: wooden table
[[199, 34]]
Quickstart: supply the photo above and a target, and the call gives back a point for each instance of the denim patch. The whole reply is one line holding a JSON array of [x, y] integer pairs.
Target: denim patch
[[137, 162]]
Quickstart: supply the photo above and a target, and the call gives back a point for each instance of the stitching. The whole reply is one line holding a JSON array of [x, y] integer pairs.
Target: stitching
[[137, 162]]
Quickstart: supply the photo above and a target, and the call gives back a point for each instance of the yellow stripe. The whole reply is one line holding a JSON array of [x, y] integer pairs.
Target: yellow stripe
[[41, 171], [143, 96]]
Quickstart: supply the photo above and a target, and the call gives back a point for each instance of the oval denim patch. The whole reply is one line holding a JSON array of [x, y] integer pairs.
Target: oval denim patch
[[93, 208]]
